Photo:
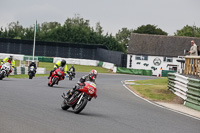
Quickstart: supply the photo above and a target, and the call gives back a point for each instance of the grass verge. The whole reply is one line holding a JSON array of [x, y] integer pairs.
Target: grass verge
[[49, 67], [78, 68], [155, 90]]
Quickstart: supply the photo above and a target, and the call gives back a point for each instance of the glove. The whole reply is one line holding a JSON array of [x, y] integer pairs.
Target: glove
[[81, 84]]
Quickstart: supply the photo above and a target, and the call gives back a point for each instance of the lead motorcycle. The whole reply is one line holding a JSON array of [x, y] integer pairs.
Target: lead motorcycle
[[4, 71], [57, 75], [80, 97]]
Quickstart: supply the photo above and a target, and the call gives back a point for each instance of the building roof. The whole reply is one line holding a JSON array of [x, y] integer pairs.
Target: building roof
[[160, 45]]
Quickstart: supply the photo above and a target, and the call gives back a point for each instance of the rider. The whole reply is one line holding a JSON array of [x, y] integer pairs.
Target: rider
[[72, 69], [57, 65], [9, 60], [90, 77], [32, 64]]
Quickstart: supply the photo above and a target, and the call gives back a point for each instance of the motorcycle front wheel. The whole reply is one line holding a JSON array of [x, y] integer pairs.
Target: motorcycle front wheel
[[64, 106], [1, 75], [30, 75], [53, 81], [79, 107]]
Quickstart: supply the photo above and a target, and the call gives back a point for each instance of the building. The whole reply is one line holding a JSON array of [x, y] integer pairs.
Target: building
[[153, 52]]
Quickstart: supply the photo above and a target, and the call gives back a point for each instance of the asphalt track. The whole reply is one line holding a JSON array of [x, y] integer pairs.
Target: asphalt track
[[30, 106]]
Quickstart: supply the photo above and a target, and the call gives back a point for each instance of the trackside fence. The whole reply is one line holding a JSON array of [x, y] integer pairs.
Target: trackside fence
[[186, 88]]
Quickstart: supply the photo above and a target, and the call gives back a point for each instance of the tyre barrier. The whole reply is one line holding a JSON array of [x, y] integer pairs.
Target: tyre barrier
[[186, 88]]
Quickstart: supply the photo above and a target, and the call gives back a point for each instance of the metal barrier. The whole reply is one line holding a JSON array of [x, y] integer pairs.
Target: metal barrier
[[186, 88]]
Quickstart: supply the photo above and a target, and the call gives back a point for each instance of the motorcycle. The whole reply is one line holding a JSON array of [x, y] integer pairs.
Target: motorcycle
[[56, 76], [31, 72], [80, 97], [4, 71], [71, 75]]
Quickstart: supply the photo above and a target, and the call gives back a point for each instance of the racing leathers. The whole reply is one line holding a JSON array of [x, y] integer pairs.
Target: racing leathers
[[12, 63], [57, 65], [34, 65], [80, 83]]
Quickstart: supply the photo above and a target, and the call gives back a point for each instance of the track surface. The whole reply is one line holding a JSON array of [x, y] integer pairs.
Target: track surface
[[30, 106]]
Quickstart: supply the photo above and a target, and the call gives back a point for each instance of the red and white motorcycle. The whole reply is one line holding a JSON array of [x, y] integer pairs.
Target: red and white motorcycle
[[56, 76], [80, 97]]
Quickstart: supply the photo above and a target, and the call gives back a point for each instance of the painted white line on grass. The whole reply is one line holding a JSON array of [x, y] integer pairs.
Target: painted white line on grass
[[158, 104]]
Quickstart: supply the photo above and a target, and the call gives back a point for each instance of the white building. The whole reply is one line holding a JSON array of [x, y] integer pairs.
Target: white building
[[153, 52]]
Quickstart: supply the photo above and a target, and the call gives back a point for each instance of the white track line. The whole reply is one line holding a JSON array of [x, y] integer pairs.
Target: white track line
[[158, 104]]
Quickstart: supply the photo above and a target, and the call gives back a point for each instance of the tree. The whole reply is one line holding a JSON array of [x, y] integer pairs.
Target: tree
[[123, 37], [99, 29], [74, 30], [190, 31], [150, 29], [15, 30]]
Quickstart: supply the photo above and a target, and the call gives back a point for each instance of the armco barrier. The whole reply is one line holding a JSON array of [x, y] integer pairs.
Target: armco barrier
[[85, 62], [186, 88], [15, 56], [134, 71], [77, 61]]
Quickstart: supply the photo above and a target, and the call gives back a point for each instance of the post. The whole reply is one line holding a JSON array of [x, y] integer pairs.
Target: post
[[34, 40]]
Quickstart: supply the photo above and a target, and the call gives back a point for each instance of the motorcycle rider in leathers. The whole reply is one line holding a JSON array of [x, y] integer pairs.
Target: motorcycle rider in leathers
[[32, 64], [57, 65], [91, 77], [11, 61], [72, 69]]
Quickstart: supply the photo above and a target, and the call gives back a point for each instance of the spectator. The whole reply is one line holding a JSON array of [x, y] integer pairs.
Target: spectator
[[198, 50], [193, 49]]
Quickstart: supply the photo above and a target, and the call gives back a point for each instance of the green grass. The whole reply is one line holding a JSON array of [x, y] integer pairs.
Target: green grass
[[156, 91], [49, 67], [78, 68]]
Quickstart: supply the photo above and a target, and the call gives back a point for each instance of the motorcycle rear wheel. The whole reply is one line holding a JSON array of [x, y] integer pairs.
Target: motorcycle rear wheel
[[70, 77], [79, 107]]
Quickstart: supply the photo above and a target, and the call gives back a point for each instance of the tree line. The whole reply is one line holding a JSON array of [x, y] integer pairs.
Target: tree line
[[78, 30]]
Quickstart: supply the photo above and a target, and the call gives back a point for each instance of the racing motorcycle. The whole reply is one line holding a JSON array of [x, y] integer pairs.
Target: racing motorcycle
[[31, 72], [80, 97], [4, 71], [56, 76], [71, 75]]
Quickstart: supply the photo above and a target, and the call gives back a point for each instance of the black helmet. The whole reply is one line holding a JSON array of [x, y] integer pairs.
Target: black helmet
[[11, 57], [63, 63]]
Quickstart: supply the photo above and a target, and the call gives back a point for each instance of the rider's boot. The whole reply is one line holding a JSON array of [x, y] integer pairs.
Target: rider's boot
[[50, 75], [68, 94]]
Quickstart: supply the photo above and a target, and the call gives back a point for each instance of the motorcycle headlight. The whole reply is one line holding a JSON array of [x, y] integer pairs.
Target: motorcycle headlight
[[59, 73], [91, 90]]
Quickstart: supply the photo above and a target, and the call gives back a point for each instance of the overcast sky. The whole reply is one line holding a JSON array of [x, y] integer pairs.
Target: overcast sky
[[169, 15]]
